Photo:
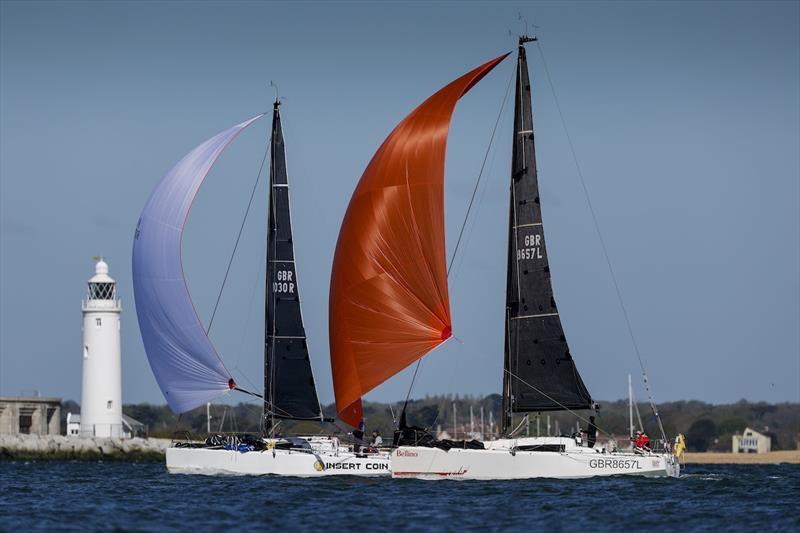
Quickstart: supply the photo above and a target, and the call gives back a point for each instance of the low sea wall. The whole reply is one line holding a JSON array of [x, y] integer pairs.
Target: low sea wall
[[81, 448], [37, 447]]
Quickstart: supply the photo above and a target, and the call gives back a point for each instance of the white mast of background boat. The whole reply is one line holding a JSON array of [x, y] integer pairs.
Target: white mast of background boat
[[630, 407]]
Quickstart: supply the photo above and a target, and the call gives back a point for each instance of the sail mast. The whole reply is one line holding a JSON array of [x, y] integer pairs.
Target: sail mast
[[269, 303], [539, 373], [289, 389]]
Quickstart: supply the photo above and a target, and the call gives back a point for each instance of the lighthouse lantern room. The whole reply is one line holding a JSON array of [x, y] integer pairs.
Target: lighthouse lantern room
[[101, 390]]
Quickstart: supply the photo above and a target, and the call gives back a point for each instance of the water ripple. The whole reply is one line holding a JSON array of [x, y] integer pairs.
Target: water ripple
[[65, 496]]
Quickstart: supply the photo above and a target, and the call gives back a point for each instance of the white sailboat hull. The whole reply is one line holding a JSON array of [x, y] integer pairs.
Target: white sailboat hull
[[502, 460], [315, 462]]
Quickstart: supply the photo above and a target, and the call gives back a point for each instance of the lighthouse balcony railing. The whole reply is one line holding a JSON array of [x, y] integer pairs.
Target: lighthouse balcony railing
[[101, 305]]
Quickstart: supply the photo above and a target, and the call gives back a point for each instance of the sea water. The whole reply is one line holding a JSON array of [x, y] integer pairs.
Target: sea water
[[98, 496]]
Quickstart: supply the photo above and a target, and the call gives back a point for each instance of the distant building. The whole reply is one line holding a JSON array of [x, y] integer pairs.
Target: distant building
[[133, 428], [30, 415], [130, 426], [751, 441], [73, 425]]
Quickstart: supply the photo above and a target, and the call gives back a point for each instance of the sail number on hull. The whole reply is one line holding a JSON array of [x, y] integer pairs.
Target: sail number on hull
[[627, 464], [532, 248], [285, 282]]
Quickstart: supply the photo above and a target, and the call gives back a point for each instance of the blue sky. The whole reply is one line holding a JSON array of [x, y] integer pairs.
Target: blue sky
[[685, 119]]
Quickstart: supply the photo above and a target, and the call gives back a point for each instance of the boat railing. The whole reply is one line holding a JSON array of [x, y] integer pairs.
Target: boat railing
[[184, 439], [656, 447]]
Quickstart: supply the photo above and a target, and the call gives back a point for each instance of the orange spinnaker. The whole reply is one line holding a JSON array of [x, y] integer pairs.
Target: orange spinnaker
[[389, 303]]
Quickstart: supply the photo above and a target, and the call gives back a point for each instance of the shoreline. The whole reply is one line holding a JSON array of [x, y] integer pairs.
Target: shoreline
[[59, 447], [728, 458]]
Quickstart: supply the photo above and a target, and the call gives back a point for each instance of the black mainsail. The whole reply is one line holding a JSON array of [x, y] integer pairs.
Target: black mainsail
[[539, 373], [289, 389]]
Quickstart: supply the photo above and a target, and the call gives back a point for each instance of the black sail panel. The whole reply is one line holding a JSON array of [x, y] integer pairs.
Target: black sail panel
[[289, 389], [540, 374]]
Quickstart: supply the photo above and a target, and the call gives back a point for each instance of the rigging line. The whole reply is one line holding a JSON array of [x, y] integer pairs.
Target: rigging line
[[413, 379], [471, 227], [245, 404], [284, 413], [246, 407], [519, 426], [256, 285], [480, 173], [238, 237], [247, 326], [254, 413], [470, 230], [564, 407], [466, 216], [222, 420], [244, 375], [602, 244], [638, 415]]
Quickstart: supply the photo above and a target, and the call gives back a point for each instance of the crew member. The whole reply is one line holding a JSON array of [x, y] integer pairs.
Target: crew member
[[644, 442], [358, 436], [376, 439], [591, 433], [641, 443]]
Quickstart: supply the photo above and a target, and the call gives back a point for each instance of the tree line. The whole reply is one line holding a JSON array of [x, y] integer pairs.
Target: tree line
[[707, 427]]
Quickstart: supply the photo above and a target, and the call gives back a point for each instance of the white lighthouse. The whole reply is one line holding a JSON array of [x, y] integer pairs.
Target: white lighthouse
[[101, 393]]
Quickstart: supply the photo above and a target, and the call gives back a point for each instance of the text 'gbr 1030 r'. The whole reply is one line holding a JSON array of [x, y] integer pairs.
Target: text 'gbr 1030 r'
[[285, 282]]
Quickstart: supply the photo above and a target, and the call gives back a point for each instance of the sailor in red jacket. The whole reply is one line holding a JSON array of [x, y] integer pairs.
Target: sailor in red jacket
[[642, 442]]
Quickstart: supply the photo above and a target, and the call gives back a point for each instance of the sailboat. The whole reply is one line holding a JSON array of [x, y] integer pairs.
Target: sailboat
[[184, 361], [389, 304]]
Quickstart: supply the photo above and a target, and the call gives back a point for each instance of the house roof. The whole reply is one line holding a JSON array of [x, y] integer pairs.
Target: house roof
[[754, 433], [132, 422]]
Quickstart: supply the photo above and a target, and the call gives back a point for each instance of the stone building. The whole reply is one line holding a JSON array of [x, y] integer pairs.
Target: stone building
[[30, 415], [751, 441]]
